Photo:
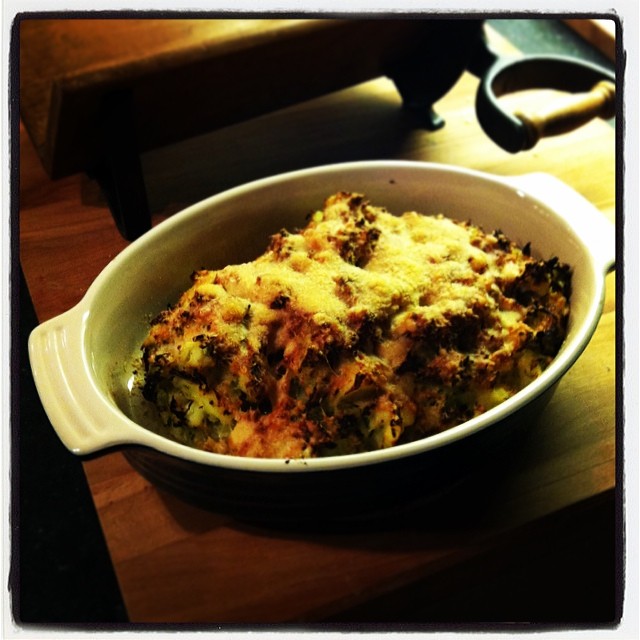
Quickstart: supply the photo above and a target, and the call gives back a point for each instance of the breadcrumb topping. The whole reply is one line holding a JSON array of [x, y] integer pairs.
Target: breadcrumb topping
[[361, 331]]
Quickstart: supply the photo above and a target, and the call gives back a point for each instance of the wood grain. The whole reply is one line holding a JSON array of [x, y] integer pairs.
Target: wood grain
[[187, 77], [601, 33], [178, 563]]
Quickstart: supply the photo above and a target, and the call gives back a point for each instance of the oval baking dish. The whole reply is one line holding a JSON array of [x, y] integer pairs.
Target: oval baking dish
[[82, 359]]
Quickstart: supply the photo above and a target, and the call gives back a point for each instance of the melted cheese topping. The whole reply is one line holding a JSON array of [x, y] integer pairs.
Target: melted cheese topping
[[361, 331]]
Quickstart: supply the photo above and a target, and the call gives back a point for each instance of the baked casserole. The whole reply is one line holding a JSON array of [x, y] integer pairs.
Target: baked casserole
[[361, 331]]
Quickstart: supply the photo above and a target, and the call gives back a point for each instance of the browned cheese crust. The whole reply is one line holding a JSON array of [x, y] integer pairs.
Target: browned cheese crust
[[359, 332]]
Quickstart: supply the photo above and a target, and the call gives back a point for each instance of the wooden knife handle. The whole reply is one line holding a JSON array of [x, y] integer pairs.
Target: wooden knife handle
[[569, 113]]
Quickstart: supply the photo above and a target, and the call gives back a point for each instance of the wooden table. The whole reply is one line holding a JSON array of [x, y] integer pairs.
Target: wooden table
[[177, 563]]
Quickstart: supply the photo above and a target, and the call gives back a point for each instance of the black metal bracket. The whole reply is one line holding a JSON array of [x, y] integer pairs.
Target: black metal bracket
[[118, 168], [435, 66]]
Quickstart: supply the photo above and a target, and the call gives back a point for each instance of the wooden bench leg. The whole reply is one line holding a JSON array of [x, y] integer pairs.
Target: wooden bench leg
[[118, 170]]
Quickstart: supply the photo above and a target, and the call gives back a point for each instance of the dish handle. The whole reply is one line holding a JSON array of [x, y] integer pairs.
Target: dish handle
[[83, 419], [596, 231], [590, 92]]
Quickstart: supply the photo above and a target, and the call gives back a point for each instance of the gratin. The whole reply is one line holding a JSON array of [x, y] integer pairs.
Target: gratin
[[361, 331]]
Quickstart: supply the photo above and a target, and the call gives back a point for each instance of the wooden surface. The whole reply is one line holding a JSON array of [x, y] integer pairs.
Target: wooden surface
[[600, 33], [189, 76], [177, 563]]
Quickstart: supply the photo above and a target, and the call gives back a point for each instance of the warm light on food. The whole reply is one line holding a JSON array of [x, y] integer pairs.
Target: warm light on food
[[361, 331]]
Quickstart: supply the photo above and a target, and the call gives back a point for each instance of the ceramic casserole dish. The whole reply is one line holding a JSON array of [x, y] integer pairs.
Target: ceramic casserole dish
[[82, 359]]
